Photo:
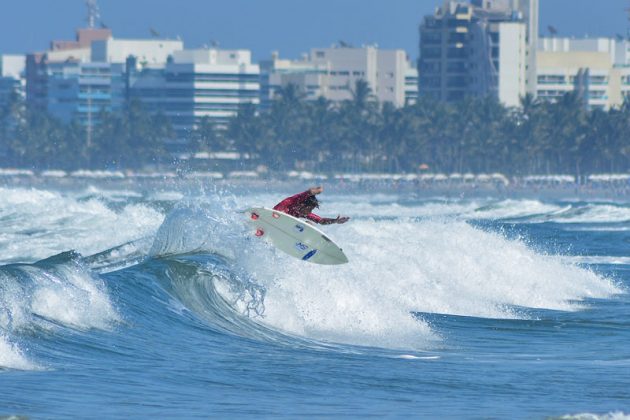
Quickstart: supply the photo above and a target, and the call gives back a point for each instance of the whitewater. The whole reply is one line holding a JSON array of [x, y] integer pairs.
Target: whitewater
[[130, 300]]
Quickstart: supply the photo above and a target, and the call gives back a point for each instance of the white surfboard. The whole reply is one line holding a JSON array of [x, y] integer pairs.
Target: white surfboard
[[295, 237]]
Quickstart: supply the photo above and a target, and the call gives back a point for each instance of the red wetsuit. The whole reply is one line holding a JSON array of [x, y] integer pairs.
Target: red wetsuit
[[291, 205]]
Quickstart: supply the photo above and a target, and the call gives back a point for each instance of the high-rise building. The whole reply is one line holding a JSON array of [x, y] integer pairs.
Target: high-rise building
[[333, 72], [478, 49], [598, 69]]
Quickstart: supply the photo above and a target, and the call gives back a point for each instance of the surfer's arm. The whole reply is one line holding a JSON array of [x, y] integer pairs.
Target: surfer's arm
[[325, 220]]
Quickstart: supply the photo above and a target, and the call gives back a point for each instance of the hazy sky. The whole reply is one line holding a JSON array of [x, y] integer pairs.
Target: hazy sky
[[289, 26]]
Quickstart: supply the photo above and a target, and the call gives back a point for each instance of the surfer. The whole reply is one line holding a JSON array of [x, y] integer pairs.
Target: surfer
[[302, 205]]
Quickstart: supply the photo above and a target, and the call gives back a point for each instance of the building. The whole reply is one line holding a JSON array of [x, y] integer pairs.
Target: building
[[411, 85], [195, 84], [482, 48], [598, 69], [12, 77], [59, 69], [333, 72]]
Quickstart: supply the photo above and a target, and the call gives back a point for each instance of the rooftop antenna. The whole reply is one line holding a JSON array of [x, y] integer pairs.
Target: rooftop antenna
[[94, 13]]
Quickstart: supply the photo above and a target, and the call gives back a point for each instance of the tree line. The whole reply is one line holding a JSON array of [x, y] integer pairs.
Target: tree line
[[477, 135], [128, 138]]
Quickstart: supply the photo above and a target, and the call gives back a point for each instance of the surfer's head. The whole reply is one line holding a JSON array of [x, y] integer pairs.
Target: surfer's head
[[309, 204]]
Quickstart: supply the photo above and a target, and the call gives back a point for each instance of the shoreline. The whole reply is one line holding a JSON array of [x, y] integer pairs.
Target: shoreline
[[517, 188]]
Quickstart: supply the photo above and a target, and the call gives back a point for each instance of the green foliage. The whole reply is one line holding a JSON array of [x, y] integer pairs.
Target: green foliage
[[474, 135], [127, 139]]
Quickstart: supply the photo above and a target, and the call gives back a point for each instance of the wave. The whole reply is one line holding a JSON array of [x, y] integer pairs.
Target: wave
[[511, 210], [206, 259], [596, 213], [58, 292], [397, 268]]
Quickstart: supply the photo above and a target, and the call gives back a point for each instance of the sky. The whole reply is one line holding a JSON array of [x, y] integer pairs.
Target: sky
[[290, 27]]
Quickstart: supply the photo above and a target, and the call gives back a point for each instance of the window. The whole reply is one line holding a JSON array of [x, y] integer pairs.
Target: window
[[598, 80], [434, 82], [456, 67], [458, 82], [457, 53], [597, 94], [431, 53], [430, 67], [551, 79], [431, 37]]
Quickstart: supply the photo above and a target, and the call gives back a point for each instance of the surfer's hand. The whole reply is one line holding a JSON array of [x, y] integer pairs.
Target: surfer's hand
[[341, 220], [316, 190]]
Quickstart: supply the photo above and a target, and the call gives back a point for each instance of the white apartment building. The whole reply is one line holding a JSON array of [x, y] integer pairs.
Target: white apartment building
[[79, 79], [333, 72], [512, 72], [146, 51], [597, 68], [12, 76], [195, 84]]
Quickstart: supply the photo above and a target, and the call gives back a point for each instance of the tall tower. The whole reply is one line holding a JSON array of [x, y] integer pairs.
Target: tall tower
[[93, 13]]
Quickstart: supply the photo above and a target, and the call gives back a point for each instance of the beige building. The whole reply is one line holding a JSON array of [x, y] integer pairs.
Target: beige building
[[597, 68], [333, 72]]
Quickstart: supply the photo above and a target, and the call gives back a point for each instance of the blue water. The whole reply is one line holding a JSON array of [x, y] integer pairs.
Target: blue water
[[146, 302]]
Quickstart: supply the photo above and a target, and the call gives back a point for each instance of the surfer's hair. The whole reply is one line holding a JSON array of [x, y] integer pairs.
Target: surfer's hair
[[311, 201]]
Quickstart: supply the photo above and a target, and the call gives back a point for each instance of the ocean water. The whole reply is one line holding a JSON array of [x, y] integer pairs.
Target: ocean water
[[155, 302]]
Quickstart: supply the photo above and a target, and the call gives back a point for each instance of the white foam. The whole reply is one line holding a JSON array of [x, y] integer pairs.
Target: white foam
[[597, 213], [598, 259], [37, 224], [60, 294], [12, 357], [66, 294], [613, 415], [509, 209], [78, 300], [400, 267]]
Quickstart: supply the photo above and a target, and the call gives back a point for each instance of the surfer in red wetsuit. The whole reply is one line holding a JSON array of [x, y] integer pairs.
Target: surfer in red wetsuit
[[302, 205]]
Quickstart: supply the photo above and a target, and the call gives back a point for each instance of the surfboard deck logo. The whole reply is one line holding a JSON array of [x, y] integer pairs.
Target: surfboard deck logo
[[294, 237]]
